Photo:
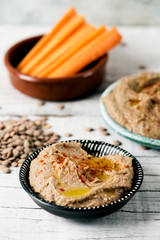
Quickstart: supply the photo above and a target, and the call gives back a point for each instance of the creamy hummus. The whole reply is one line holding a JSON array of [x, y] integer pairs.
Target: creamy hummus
[[66, 175], [135, 104]]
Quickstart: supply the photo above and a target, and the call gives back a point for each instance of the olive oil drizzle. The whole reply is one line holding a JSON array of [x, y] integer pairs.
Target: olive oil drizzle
[[93, 167]]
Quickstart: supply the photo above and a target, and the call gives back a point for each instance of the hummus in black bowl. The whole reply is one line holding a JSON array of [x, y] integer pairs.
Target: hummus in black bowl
[[73, 200]]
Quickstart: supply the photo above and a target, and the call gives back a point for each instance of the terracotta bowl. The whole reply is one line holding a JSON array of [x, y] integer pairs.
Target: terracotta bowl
[[67, 88]]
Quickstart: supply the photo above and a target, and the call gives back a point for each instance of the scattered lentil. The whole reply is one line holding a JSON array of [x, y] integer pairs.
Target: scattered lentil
[[19, 148], [6, 162], [67, 134], [89, 129], [27, 150], [106, 133], [43, 118], [15, 153], [60, 106], [123, 44], [102, 129], [38, 143], [117, 143], [2, 166], [40, 103], [21, 137], [144, 147], [5, 170], [14, 164], [46, 126], [24, 155], [142, 67], [21, 160]]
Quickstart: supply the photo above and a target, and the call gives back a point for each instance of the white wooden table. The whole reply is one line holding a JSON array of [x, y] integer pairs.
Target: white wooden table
[[20, 217]]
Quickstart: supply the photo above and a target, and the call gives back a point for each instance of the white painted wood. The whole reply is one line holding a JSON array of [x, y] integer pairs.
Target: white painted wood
[[41, 12], [20, 217]]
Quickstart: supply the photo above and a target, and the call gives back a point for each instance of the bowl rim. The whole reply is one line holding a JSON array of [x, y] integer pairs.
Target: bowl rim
[[100, 62], [150, 142], [123, 199]]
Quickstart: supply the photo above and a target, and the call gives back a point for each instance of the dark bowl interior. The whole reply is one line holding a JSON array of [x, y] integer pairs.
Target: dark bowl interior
[[66, 88], [94, 148]]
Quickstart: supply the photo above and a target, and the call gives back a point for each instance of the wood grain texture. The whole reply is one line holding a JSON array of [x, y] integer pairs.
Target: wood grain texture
[[20, 217]]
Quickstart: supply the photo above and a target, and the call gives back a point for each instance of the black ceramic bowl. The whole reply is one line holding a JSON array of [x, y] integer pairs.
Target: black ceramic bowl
[[94, 148]]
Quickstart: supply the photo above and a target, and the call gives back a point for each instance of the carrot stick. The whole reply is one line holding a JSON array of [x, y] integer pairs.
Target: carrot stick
[[77, 36], [62, 34], [43, 41], [72, 51], [89, 53]]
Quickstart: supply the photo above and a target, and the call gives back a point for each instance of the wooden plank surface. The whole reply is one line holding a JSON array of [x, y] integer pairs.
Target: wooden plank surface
[[20, 217]]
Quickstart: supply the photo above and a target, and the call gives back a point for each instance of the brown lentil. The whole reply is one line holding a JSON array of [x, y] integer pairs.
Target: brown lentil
[[89, 129], [106, 133], [102, 129], [144, 147], [142, 67], [5, 170], [67, 134], [21, 137], [117, 143], [123, 44], [40, 103], [60, 106], [47, 126], [14, 164]]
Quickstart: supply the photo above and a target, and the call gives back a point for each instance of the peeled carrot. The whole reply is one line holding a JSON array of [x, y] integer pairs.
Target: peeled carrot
[[77, 36], [61, 35], [93, 50], [43, 41], [72, 51], [69, 47]]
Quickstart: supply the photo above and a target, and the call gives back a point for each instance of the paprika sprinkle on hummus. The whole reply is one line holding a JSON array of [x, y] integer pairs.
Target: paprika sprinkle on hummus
[[73, 178], [135, 104]]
